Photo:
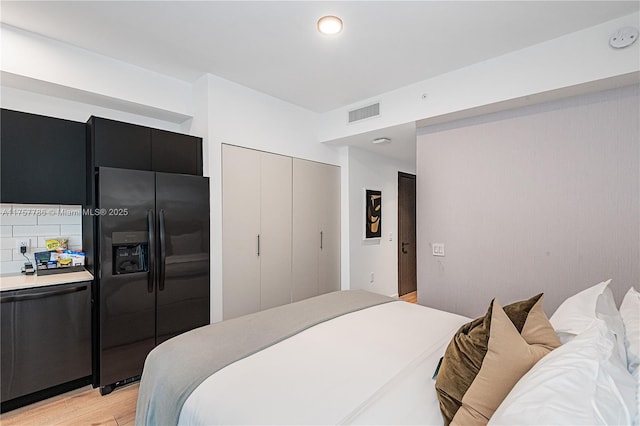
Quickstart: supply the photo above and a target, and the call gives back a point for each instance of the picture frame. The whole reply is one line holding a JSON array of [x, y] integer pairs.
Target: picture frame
[[372, 214]]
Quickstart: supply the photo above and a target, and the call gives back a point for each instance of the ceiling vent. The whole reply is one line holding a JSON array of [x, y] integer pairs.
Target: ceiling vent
[[369, 111]]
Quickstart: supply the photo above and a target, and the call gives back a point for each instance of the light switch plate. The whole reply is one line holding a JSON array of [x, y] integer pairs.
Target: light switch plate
[[438, 249]]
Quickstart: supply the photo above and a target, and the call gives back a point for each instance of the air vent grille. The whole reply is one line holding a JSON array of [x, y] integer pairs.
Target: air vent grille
[[364, 112]]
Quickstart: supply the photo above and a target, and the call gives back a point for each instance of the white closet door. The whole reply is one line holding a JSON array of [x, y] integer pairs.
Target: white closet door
[[329, 222], [240, 229], [275, 230], [306, 232]]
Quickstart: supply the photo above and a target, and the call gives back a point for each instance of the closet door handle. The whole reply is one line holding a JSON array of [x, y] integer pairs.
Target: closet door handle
[[258, 245], [321, 240]]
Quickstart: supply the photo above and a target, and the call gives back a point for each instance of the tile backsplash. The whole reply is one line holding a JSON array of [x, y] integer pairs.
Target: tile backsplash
[[35, 223]]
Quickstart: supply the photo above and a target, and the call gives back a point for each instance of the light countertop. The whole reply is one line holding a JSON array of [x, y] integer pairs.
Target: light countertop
[[22, 281]]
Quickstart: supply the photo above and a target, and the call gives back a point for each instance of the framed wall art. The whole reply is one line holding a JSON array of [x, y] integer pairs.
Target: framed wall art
[[373, 214]]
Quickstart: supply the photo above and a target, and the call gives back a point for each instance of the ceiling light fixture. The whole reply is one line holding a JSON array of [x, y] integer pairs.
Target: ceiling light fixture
[[329, 25], [380, 140]]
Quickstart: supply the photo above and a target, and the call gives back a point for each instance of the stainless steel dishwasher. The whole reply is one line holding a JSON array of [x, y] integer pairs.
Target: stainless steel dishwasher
[[45, 340]]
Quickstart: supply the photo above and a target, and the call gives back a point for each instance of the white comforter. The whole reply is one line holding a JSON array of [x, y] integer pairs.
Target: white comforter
[[373, 366]]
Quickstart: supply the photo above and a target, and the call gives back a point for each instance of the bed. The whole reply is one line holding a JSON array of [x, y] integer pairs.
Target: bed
[[349, 357]]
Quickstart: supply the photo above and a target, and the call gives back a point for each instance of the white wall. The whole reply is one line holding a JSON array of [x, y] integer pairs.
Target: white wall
[[380, 257], [241, 116], [538, 199], [572, 60], [36, 63], [37, 103]]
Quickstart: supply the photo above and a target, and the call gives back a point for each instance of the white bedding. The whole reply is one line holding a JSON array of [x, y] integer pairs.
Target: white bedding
[[366, 367]]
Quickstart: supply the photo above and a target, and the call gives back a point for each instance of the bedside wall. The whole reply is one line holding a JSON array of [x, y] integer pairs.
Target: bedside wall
[[538, 199]]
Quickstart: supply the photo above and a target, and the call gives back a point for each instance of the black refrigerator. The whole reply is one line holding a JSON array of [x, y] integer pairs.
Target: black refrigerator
[[152, 264]]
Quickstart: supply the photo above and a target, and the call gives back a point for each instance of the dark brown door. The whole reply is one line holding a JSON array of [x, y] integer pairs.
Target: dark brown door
[[407, 281]]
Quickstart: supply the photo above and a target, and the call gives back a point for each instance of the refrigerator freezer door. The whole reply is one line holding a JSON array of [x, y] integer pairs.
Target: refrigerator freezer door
[[126, 201], [182, 209]]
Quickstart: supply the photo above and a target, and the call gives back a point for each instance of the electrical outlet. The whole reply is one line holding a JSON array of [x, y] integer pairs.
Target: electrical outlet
[[438, 249]]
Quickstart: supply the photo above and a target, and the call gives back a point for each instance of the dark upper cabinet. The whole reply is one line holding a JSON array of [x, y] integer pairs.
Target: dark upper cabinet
[[42, 159], [118, 144], [129, 146], [175, 153]]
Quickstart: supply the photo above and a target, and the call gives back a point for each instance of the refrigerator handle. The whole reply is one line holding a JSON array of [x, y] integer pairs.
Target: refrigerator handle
[[162, 253], [152, 251]]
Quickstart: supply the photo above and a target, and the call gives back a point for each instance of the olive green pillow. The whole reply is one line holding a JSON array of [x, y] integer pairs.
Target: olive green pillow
[[487, 357]]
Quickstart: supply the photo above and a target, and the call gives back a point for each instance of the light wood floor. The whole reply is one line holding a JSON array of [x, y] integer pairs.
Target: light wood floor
[[410, 297], [84, 406]]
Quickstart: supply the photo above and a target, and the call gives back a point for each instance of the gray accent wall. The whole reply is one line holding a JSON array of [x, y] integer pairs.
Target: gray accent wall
[[543, 198]]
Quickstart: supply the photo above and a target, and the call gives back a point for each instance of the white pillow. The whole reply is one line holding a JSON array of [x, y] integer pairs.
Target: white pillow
[[630, 313], [580, 383], [578, 312]]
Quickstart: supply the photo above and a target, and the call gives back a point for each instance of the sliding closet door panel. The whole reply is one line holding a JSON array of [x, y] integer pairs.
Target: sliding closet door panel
[[240, 230], [329, 221], [306, 232], [275, 230]]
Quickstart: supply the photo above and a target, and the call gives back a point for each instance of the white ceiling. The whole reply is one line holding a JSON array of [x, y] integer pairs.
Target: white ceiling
[[274, 47], [402, 146]]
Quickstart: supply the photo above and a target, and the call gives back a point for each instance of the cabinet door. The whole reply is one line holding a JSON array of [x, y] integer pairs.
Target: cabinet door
[[175, 153], [42, 159], [240, 230], [7, 346], [329, 222], [275, 230], [307, 187], [46, 337], [121, 145]]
